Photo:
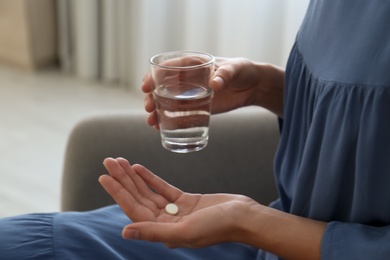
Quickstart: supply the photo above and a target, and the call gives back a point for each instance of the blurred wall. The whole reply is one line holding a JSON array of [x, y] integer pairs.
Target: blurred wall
[[28, 35], [112, 40]]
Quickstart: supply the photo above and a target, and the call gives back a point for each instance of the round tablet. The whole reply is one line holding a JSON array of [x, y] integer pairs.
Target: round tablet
[[171, 209]]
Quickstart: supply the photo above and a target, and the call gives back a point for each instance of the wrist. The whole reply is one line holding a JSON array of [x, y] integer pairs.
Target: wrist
[[283, 234], [250, 226], [241, 218], [244, 225], [270, 88]]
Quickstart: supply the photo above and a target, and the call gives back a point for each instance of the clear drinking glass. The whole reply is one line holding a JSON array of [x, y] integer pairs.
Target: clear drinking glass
[[183, 98]]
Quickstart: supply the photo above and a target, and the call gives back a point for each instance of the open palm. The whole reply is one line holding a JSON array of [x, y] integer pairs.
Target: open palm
[[143, 197]]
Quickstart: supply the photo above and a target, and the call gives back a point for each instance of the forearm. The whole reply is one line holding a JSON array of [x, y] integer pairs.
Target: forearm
[[283, 234]]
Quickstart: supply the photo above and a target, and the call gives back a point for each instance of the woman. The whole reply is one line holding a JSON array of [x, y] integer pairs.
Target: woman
[[331, 167]]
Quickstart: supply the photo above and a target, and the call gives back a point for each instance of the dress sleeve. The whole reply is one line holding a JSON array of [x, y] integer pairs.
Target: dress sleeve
[[355, 241]]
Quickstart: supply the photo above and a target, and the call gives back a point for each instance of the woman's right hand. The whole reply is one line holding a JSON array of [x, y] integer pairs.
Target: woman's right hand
[[237, 82]]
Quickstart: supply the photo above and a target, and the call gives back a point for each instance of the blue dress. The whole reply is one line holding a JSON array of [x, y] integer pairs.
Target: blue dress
[[332, 164]]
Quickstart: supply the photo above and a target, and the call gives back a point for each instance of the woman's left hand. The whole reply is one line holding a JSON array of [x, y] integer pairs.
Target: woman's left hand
[[202, 220]]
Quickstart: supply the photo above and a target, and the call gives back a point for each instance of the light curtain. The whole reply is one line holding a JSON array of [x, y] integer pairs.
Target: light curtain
[[112, 40]]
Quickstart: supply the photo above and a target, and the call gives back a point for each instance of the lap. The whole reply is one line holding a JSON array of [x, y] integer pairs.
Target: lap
[[94, 235]]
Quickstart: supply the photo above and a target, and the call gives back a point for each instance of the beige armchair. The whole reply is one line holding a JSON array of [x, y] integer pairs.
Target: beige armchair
[[238, 158]]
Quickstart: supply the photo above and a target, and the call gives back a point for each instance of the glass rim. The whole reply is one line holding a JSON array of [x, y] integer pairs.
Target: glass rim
[[175, 53]]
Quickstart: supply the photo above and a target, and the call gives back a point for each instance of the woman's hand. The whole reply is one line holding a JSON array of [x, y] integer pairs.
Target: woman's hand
[[205, 220], [202, 220], [237, 82]]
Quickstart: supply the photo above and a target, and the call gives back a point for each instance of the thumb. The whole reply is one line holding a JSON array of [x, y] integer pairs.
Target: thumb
[[222, 76], [151, 231], [217, 83]]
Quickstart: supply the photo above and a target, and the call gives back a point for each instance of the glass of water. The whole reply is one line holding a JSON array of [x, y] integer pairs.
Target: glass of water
[[183, 98]]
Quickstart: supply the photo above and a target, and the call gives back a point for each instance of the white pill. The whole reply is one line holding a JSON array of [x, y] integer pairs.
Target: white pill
[[171, 209]]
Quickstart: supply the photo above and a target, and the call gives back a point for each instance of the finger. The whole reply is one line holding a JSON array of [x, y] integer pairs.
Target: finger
[[142, 187], [135, 211], [217, 83], [222, 76], [173, 235], [116, 190], [149, 103], [147, 84], [153, 232], [152, 120], [122, 176], [163, 188]]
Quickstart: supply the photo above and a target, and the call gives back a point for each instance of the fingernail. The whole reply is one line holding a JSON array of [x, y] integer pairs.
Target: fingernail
[[131, 234], [106, 159], [220, 82]]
